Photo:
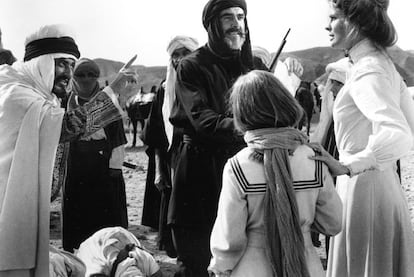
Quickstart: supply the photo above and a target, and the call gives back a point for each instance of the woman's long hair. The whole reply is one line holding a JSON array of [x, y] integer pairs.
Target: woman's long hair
[[370, 19], [260, 101]]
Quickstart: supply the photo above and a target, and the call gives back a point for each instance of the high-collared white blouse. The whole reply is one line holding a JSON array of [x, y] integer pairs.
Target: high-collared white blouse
[[371, 130]]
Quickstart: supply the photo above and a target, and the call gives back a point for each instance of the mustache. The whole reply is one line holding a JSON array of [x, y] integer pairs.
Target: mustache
[[62, 76], [235, 29]]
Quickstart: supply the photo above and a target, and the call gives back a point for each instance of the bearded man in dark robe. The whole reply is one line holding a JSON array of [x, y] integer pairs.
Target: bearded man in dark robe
[[202, 90]]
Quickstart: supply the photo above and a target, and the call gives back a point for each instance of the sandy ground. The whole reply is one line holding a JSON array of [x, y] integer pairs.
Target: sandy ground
[[135, 186]]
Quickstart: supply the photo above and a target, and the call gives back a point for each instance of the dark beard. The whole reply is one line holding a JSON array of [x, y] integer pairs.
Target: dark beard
[[175, 65], [60, 92]]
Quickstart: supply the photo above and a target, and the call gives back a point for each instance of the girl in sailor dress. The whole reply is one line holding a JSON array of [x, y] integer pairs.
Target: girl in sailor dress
[[272, 194]]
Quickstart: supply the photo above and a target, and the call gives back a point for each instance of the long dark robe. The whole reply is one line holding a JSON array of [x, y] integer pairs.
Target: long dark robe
[[154, 137], [330, 143], [201, 109], [209, 139], [155, 208], [94, 195]]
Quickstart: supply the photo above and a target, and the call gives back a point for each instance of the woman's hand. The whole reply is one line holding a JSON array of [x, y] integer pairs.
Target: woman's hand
[[335, 167]]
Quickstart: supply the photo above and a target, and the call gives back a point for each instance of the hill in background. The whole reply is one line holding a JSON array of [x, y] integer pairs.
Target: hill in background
[[147, 76], [314, 61]]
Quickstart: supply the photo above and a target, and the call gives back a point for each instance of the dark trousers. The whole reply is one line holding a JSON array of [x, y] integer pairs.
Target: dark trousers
[[193, 251]]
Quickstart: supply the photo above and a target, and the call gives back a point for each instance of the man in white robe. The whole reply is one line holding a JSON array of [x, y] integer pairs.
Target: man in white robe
[[31, 125]]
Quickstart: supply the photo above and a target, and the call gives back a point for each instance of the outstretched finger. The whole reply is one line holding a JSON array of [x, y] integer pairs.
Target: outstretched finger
[[130, 62]]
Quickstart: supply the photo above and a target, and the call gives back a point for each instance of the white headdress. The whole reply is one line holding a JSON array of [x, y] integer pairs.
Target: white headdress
[[38, 71], [169, 95], [262, 53]]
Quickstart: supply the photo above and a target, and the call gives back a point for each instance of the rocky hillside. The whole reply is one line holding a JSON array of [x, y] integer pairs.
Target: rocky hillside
[[148, 76], [314, 61]]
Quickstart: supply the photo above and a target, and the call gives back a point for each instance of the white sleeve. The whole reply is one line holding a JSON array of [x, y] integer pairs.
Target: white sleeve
[[144, 261], [228, 238], [117, 157], [407, 106], [391, 136], [328, 214]]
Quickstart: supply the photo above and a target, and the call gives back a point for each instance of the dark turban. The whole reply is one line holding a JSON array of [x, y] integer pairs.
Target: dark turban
[[86, 65], [211, 22], [51, 45], [214, 7]]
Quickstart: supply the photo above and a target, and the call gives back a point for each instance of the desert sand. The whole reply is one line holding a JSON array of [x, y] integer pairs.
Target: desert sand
[[135, 187]]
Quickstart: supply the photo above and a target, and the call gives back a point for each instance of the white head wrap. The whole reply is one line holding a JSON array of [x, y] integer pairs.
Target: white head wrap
[[39, 73], [139, 263], [169, 95], [182, 41], [263, 54], [99, 252]]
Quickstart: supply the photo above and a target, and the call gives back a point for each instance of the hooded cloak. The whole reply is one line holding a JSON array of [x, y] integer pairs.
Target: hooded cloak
[[211, 22]]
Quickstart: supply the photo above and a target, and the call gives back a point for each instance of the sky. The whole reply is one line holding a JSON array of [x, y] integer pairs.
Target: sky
[[118, 29]]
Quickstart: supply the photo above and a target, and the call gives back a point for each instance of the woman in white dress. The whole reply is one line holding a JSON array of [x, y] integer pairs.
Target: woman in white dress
[[372, 119], [272, 193]]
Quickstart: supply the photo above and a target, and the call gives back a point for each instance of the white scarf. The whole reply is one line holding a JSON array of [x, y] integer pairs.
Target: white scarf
[[30, 124], [169, 95], [169, 98]]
